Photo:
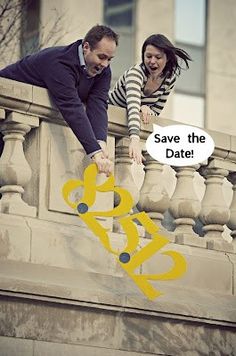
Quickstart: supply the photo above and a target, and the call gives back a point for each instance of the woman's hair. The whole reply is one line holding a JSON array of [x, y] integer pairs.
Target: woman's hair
[[172, 53]]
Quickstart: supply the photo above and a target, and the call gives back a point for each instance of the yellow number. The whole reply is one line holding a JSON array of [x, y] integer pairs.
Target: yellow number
[[133, 257]]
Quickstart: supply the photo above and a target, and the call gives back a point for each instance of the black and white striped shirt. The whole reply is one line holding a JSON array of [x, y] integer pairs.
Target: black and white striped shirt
[[129, 93]]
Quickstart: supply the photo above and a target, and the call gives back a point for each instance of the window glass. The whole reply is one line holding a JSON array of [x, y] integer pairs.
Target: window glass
[[190, 21], [119, 14], [30, 27], [192, 81]]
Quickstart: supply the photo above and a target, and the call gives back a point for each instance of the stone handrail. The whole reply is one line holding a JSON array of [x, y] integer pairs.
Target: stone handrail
[[29, 176]]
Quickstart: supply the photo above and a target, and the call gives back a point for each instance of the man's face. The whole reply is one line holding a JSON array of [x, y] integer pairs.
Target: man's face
[[99, 57]]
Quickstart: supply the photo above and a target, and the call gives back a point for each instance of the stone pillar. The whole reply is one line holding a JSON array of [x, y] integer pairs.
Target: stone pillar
[[154, 16], [221, 29], [74, 20], [154, 198], [214, 213], [185, 206], [123, 173], [232, 220], [15, 171], [2, 114]]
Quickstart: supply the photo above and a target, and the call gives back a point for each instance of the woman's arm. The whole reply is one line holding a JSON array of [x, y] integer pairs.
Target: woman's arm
[[133, 85]]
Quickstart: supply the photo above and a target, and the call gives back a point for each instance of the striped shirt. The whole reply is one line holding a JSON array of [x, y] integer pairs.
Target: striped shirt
[[129, 93]]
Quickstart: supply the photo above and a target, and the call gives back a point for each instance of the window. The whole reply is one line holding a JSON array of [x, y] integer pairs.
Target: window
[[119, 14], [30, 20], [190, 29]]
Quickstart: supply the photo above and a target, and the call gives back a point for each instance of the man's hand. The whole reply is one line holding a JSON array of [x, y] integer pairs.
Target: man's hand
[[103, 146], [146, 112], [105, 165], [135, 150]]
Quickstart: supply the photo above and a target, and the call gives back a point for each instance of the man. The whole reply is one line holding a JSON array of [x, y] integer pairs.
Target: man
[[75, 75]]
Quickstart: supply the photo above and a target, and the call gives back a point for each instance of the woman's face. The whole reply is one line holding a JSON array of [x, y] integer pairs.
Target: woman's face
[[154, 59]]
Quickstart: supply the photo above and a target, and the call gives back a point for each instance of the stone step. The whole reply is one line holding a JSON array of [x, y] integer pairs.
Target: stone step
[[91, 310]]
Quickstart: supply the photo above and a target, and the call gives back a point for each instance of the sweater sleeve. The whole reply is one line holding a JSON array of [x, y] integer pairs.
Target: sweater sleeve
[[61, 84], [97, 104], [133, 85], [161, 101]]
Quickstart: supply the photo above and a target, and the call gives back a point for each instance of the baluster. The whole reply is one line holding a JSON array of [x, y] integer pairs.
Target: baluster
[[123, 174], [215, 212], [2, 114], [154, 198], [15, 171], [232, 220], [185, 206]]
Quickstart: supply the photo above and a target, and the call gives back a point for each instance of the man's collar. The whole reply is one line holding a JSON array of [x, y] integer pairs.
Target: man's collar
[[81, 56], [82, 61]]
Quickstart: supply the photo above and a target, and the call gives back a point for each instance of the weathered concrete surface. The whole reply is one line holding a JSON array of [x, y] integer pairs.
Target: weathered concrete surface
[[119, 292], [14, 238], [21, 347], [75, 247], [96, 311], [10, 346]]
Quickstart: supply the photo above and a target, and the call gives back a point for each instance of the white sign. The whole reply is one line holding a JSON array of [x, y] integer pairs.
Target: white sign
[[179, 145]]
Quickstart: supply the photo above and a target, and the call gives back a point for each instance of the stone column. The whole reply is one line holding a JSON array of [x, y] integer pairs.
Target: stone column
[[232, 220], [185, 206], [123, 173], [214, 213], [154, 198], [15, 171], [2, 114]]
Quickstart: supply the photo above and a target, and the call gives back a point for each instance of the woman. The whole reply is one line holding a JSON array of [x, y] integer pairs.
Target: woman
[[144, 88]]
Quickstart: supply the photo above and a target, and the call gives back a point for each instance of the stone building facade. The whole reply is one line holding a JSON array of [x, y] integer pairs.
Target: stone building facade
[[61, 291]]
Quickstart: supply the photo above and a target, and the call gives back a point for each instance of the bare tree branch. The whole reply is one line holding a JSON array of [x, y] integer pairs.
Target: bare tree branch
[[15, 34]]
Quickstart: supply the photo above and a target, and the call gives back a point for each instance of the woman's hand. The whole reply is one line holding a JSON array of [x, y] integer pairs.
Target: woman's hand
[[135, 150], [146, 112]]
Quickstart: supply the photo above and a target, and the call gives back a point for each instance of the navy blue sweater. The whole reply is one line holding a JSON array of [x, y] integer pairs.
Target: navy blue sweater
[[58, 69]]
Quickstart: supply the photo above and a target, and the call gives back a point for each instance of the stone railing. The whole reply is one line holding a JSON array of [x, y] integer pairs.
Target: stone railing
[[41, 153]]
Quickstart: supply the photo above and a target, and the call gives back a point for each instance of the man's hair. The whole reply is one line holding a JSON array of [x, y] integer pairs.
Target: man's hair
[[97, 33]]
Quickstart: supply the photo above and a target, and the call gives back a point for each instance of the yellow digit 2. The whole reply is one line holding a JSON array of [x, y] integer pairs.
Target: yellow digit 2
[[131, 258]]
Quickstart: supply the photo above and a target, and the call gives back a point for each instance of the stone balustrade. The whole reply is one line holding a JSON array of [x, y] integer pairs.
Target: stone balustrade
[[41, 153]]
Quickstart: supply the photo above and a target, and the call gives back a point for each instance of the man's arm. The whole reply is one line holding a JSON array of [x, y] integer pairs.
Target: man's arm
[[61, 85], [62, 88], [97, 104]]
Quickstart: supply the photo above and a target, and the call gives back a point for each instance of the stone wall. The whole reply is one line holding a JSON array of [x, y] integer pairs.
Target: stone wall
[[62, 292]]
